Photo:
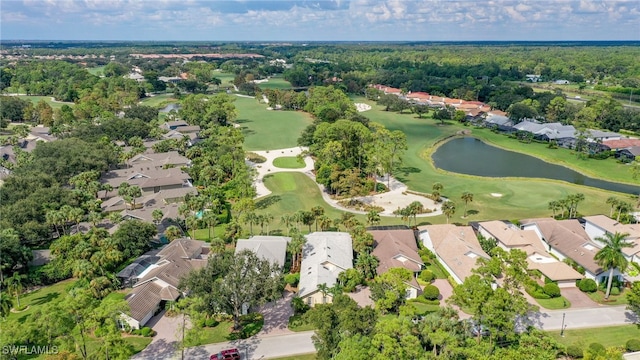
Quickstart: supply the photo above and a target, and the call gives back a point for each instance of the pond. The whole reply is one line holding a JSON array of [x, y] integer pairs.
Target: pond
[[473, 157]]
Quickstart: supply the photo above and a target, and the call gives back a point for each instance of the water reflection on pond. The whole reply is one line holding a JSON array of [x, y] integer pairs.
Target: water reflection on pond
[[471, 156]]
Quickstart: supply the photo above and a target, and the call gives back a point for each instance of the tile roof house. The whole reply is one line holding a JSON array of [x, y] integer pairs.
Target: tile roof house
[[324, 256], [159, 160], [158, 283], [271, 248], [398, 249], [148, 178], [568, 239], [456, 248], [511, 237], [598, 225]]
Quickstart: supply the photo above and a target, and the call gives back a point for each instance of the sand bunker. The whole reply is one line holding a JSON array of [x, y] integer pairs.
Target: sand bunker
[[496, 194]]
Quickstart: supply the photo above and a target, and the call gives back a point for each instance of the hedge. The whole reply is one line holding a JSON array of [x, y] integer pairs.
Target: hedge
[[552, 289], [587, 285], [431, 292], [575, 352], [427, 276], [633, 345]]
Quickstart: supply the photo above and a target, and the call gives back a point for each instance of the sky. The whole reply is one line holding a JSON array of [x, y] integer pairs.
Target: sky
[[320, 20]]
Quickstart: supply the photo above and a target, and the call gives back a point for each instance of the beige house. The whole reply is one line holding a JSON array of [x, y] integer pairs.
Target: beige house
[[598, 225], [509, 236], [456, 248], [398, 249], [158, 282], [324, 256]]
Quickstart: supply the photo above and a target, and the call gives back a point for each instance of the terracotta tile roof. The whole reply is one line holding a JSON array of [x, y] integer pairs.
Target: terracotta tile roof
[[568, 238], [456, 246], [622, 143], [396, 249]]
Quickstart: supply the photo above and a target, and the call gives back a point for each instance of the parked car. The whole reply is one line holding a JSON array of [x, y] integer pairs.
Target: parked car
[[228, 354]]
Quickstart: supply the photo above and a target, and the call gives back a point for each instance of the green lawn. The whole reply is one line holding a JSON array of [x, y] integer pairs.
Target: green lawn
[[98, 70], [608, 169], [598, 297], [225, 78], [38, 298], [424, 308], [158, 101], [607, 336], [269, 129], [292, 191], [521, 198], [288, 162], [275, 83], [36, 99], [222, 332], [554, 303]]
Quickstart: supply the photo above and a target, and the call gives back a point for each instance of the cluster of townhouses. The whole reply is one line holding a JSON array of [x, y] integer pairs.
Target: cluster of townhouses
[[566, 136], [547, 243], [8, 152]]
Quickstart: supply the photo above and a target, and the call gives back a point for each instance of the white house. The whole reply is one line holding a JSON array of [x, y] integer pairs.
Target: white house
[[568, 239], [598, 225], [324, 256], [270, 248]]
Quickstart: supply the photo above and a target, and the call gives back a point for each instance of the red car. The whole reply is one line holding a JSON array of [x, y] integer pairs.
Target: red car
[[229, 354]]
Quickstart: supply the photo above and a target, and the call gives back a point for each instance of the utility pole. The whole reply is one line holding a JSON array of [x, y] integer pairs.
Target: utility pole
[[562, 328]]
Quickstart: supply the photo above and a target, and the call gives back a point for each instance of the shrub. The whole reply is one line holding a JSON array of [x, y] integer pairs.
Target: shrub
[[587, 285], [552, 290], [292, 279], [597, 348], [615, 290], [147, 332], [255, 158], [211, 322], [574, 352], [431, 292], [536, 291], [427, 276], [633, 345], [422, 300], [299, 306]]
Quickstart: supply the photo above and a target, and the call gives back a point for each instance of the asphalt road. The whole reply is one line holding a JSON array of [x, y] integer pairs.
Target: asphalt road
[[583, 318], [266, 347]]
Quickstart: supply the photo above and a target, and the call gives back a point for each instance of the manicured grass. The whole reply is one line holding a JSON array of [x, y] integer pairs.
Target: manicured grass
[[225, 78], [37, 299], [269, 129], [607, 336], [554, 303], [608, 169], [521, 198], [221, 333], [36, 99], [98, 70], [292, 191], [298, 357], [598, 297], [288, 162], [276, 82], [424, 308], [158, 101]]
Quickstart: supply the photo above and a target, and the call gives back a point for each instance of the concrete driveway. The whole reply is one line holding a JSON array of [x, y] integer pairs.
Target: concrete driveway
[[276, 317], [164, 344], [577, 298]]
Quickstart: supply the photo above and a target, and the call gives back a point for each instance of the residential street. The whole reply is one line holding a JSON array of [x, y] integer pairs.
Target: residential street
[[583, 318], [254, 348]]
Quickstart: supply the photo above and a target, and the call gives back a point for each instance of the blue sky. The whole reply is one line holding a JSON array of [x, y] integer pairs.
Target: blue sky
[[320, 20]]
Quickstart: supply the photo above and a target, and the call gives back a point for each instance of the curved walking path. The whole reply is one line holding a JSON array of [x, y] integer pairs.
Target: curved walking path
[[397, 196]]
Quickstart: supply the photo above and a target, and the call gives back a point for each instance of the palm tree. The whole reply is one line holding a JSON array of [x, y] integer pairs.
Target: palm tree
[[467, 197], [52, 217], [613, 201], [448, 209], [286, 220], [14, 284], [268, 218], [373, 217], [325, 222], [6, 303], [611, 257], [317, 212], [211, 219], [250, 218], [554, 206], [173, 232], [157, 215], [367, 264], [623, 207], [437, 191], [324, 289]]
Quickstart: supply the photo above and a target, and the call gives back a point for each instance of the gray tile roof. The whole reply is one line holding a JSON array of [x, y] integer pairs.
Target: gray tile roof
[[271, 248], [324, 256]]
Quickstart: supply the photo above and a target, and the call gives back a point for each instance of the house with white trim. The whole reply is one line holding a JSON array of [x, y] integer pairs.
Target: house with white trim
[[456, 248], [597, 226], [324, 256]]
